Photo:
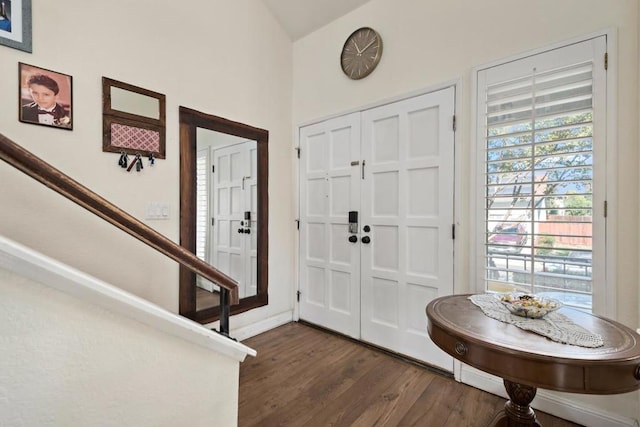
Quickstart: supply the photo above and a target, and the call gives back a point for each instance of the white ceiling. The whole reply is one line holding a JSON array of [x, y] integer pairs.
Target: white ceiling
[[302, 17]]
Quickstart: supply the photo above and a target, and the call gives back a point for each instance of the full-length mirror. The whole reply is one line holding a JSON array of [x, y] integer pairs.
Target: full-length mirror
[[223, 210]]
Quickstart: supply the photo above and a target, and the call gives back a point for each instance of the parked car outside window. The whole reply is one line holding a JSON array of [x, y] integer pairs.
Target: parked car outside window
[[508, 238]]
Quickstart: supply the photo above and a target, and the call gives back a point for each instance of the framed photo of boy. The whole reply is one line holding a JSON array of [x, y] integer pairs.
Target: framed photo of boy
[[45, 97], [15, 24]]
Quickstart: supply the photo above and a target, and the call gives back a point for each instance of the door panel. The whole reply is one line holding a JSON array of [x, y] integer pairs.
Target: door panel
[[408, 203], [329, 189], [250, 262], [393, 164], [227, 243], [234, 250]]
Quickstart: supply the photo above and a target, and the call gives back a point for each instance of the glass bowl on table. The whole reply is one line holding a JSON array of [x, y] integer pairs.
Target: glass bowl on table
[[529, 306]]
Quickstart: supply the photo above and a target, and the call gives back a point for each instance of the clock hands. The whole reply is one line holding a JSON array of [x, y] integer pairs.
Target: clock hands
[[356, 45], [360, 51], [367, 46]]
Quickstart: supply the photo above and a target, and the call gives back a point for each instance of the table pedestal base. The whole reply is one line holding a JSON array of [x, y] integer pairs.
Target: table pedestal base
[[517, 412]]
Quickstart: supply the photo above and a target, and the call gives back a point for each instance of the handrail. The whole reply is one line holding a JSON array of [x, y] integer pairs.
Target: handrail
[[53, 178]]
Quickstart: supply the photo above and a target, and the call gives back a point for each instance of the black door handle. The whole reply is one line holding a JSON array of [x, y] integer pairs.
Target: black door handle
[[366, 240], [247, 230], [240, 230], [353, 238]]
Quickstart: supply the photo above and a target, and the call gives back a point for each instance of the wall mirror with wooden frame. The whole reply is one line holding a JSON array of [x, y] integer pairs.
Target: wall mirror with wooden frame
[[133, 119], [224, 209]]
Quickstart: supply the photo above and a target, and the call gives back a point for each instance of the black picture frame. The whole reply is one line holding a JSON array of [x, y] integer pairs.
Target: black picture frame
[[45, 97], [15, 24]]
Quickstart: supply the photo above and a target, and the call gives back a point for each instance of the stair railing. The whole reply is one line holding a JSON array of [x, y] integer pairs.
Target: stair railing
[[53, 178]]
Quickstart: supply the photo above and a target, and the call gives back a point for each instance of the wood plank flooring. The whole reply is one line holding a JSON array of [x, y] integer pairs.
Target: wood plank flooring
[[303, 376], [206, 299]]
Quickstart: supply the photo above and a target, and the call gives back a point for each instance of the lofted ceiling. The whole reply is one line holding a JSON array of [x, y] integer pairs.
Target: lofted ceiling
[[302, 17]]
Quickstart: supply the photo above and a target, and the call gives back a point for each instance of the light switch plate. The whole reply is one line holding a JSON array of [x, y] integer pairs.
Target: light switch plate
[[157, 210]]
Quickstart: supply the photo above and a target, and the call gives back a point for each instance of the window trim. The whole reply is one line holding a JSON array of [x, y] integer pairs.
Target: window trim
[[206, 154], [604, 298]]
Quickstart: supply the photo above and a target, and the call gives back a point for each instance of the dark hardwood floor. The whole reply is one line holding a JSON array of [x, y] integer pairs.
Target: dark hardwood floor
[[303, 376], [206, 299]]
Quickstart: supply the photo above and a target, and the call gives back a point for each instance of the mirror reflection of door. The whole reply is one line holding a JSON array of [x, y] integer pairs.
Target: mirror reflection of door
[[226, 206], [234, 199]]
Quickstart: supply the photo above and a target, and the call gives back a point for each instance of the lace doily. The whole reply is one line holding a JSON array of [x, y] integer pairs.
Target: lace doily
[[555, 326]]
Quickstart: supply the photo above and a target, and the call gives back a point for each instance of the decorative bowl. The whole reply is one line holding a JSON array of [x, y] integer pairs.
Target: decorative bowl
[[529, 306]]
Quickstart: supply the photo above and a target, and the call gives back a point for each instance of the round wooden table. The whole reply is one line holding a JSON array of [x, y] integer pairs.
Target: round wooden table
[[526, 361]]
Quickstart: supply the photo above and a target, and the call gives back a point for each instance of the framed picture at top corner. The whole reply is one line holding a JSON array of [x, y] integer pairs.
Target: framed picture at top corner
[[45, 97], [15, 24]]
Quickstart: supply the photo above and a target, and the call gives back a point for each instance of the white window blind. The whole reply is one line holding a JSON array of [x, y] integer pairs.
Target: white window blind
[[202, 204], [538, 175]]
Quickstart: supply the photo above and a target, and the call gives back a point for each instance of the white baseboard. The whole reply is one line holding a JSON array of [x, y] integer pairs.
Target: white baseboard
[[549, 402], [262, 326]]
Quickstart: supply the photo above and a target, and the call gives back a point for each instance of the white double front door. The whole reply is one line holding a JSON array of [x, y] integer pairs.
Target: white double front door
[[394, 166]]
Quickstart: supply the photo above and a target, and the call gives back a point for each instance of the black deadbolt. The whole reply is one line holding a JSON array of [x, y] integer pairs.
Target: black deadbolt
[[366, 228]]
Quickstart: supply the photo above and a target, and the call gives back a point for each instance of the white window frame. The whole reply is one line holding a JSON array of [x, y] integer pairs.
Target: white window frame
[[206, 154], [604, 297]]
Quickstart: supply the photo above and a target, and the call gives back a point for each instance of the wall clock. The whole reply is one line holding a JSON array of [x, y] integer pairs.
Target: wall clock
[[361, 53]]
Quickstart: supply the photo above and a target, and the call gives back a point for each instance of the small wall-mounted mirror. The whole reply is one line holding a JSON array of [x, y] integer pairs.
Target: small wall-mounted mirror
[[126, 101], [133, 119]]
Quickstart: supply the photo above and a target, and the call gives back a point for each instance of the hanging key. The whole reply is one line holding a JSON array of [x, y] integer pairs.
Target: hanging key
[[123, 160], [138, 162], [133, 163]]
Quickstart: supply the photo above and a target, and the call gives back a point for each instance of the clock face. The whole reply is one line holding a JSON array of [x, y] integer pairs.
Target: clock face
[[361, 53]]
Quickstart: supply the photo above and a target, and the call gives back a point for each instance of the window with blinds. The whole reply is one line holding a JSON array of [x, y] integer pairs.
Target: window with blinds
[[538, 195], [202, 204]]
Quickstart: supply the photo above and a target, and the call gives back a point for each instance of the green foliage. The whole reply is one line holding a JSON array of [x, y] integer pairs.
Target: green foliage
[[576, 202], [547, 243], [543, 157]]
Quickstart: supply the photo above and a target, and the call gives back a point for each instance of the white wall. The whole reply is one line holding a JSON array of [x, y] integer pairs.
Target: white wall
[[226, 58], [66, 362], [428, 42]]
